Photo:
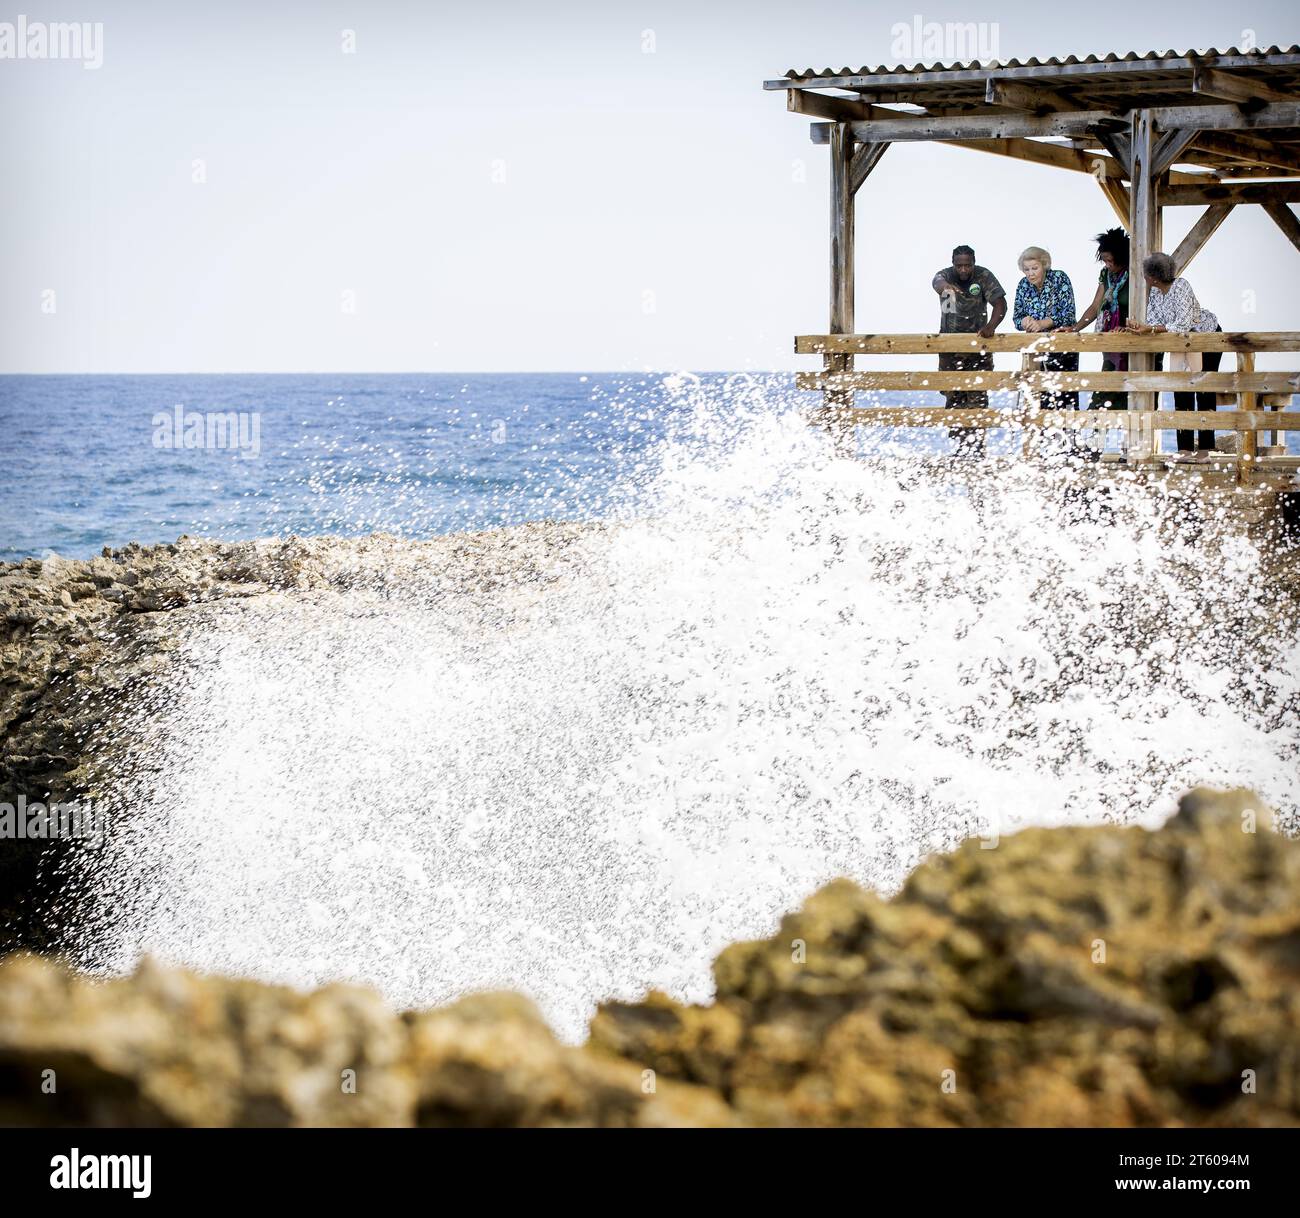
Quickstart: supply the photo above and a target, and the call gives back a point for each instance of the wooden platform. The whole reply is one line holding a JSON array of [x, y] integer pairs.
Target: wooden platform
[[1259, 416]]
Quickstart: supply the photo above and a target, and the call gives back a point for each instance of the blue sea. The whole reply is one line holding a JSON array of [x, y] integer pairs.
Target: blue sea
[[87, 464], [94, 461]]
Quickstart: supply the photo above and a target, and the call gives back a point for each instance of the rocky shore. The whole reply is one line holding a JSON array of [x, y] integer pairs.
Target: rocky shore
[[1100, 976], [1074, 976]]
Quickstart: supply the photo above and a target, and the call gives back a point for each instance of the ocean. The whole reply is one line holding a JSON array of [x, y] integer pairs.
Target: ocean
[[89, 463], [94, 461]]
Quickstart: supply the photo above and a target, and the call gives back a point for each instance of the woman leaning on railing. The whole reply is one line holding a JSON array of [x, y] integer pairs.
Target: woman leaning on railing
[[1172, 308], [1110, 309]]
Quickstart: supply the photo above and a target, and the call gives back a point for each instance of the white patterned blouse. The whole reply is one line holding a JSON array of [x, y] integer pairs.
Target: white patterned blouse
[[1179, 311]]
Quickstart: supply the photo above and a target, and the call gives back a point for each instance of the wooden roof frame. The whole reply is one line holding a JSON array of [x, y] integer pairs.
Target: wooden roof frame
[[1230, 118]]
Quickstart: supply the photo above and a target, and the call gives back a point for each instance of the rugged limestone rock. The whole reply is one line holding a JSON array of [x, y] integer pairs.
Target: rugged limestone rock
[[78, 637], [1100, 976], [169, 1048], [1079, 976], [1070, 976]]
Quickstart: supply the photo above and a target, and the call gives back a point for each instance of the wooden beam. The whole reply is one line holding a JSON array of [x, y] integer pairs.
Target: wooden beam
[[1118, 197], [1118, 145], [1231, 192], [865, 159], [1066, 382], [837, 109], [984, 126], [1081, 420], [1200, 233], [1036, 99], [1285, 219], [1085, 340], [1168, 146], [1040, 153], [1079, 122], [1049, 154], [1228, 118], [1249, 148], [1244, 90]]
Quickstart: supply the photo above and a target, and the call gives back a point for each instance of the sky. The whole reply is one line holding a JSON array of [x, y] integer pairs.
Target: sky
[[600, 185]]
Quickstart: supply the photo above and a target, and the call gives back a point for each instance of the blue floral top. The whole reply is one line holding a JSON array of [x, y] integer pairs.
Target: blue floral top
[[1056, 300]]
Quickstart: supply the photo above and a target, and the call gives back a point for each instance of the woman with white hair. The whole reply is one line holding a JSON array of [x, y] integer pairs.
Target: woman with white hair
[[1045, 302], [1172, 308]]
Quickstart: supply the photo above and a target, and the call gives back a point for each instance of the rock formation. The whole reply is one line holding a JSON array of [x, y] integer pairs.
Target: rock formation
[[1075, 976]]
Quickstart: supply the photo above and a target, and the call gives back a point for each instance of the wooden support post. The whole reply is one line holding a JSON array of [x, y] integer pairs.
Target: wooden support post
[[1275, 402], [838, 402], [1247, 441], [1144, 236], [1030, 401], [841, 281]]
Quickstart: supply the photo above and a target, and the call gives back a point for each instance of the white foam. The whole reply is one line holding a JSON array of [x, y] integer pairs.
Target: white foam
[[791, 667]]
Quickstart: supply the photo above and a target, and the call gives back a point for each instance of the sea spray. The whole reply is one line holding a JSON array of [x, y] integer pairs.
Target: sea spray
[[772, 666]]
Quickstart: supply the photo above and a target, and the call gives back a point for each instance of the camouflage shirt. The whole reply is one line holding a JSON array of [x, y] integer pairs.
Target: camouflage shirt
[[968, 312]]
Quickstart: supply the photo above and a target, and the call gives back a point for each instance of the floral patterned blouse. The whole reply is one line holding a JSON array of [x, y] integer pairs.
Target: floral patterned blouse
[[1055, 300], [1179, 311]]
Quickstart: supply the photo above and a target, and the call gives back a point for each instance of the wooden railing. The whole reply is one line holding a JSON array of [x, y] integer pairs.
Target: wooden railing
[[1258, 399]]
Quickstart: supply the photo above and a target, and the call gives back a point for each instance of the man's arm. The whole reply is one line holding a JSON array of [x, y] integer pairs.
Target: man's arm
[[999, 313], [941, 285]]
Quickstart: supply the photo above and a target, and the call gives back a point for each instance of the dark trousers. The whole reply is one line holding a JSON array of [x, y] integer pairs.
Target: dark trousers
[[1188, 440], [970, 440], [1204, 440]]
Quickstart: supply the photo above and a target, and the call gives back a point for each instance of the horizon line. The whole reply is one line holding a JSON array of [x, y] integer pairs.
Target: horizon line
[[450, 372]]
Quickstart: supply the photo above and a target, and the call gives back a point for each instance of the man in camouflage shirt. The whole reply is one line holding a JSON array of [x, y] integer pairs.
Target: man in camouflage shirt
[[965, 293]]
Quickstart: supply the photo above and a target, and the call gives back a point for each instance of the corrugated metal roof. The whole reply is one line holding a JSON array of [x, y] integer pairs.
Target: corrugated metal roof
[[973, 65]]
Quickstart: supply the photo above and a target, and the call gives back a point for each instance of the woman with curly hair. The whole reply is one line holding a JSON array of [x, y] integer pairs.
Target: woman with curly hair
[[1109, 309]]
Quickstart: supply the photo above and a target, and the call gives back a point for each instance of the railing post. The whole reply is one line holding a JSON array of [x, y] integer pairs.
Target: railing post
[[1247, 440], [1144, 233], [1030, 403]]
